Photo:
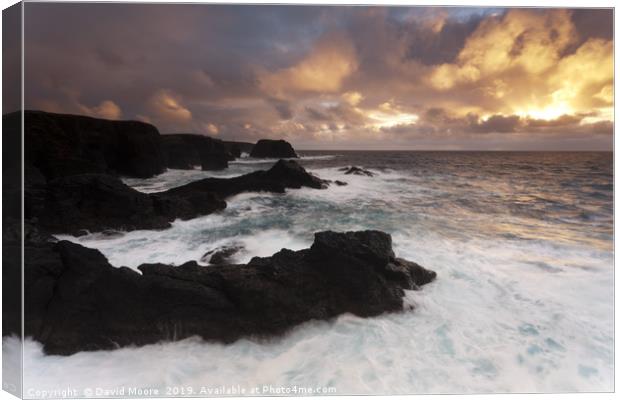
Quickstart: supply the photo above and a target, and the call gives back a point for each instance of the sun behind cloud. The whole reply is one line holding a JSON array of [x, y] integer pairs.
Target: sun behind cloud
[[334, 77]]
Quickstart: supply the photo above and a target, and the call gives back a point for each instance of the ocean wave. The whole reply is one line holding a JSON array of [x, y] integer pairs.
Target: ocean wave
[[521, 303], [477, 329], [250, 160]]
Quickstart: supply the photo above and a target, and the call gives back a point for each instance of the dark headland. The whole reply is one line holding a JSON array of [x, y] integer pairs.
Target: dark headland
[[76, 301]]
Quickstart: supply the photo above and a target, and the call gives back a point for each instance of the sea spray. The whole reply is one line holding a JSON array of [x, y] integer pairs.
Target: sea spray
[[522, 244]]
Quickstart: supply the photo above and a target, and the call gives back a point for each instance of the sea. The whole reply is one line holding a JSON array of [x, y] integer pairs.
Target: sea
[[522, 243]]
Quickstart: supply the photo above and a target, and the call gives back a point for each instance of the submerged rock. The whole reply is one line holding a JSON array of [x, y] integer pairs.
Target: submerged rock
[[338, 183], [63, 145], [221, 255], [97, 202], [266, 148], [76, 301], [356, 171]]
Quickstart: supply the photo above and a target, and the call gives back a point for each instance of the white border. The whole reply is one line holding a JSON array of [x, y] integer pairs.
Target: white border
[[476, 3]]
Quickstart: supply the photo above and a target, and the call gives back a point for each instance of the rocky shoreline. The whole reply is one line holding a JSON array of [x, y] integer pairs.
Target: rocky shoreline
[[76, 301], [97, 202]]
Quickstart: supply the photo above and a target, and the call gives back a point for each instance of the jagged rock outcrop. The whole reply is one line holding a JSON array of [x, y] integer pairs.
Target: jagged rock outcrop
[[61, 145], [284, 174], [185, 151], [356, 171], [76, 301], [97, 202], [266, 148]]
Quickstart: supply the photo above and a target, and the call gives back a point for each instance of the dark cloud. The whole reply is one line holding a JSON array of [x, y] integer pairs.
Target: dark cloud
[[328, 76], [110, 57], [436, 47], [342, 113], [283, 108], [11, 65], [317, 115], [497, 124], [594, 23], [438, 121]]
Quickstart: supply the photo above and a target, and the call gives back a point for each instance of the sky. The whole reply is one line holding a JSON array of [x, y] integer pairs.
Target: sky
[[339, 77]]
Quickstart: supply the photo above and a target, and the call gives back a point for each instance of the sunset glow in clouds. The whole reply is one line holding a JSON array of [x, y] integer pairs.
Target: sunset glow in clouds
[[332, 77]]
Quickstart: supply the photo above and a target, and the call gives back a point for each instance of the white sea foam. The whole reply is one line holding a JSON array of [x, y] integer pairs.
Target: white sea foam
[[250, 160], [478, 328], [186, 241], [525, 312], [177, 177]]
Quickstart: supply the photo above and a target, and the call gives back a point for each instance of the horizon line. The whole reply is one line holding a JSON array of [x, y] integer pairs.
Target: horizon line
[[466, 150]]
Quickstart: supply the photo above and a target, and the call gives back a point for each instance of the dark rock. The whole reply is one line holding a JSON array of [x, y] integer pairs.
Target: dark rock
[[11, 270], [234, 150], [187, 205], [93, 202], [238, 148], [61, 145], [284, 174], [185, 151], [34, 238], [409, 274], [294, 175], [81, 232], [12, 293], [76, 301], [97, 202], [372, 246], [356, 171], [266, 148], [221, 255], [80, 204]]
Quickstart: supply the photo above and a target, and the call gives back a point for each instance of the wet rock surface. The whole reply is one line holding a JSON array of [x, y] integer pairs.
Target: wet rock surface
[[97, 202], [221, 255], [76, 301], [356, 171]]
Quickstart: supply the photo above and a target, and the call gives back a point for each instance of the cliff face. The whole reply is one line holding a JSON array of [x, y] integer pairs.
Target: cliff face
[[61, 145], [237, 148], [266, 148], [185, 151]]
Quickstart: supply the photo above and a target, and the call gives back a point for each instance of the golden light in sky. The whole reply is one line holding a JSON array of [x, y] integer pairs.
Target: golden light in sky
[[548, 113], [388, 120], [419, 77]]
